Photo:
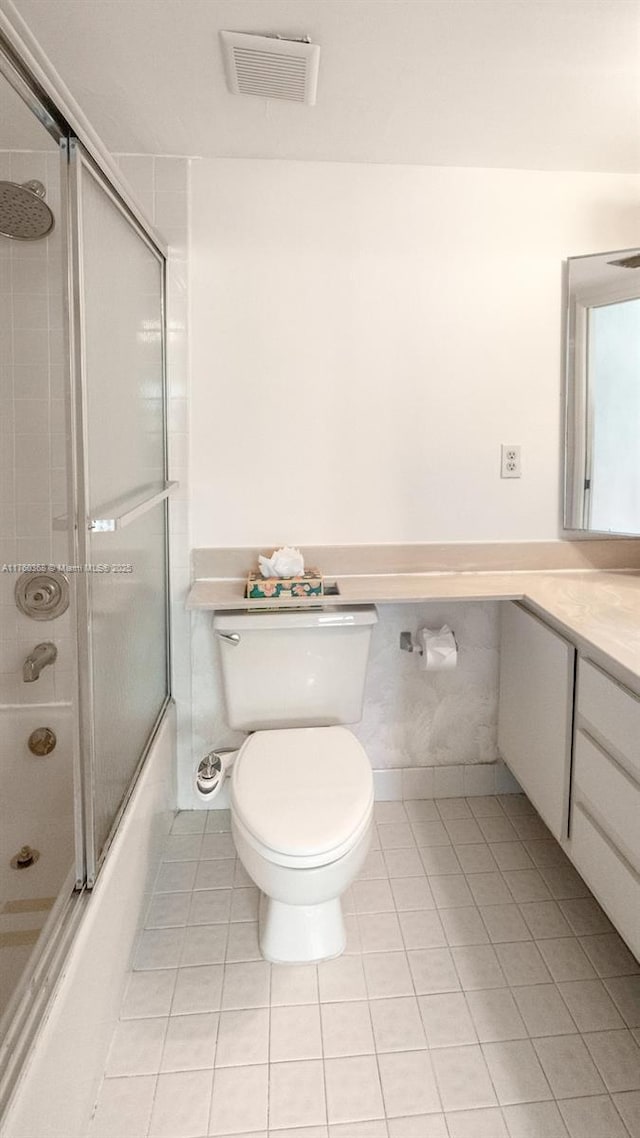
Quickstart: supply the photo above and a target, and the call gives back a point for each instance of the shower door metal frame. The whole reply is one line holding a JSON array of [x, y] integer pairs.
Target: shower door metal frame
[[81, 162], [30, 91]]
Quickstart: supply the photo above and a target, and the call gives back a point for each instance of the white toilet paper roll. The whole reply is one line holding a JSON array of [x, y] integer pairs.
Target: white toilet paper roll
[[439, 649]]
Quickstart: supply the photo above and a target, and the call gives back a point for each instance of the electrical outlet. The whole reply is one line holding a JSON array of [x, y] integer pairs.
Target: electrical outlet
[[510, 465]]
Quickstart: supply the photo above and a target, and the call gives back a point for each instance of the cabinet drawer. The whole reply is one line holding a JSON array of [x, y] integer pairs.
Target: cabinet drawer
[[609, 794], [611, 714], [611, 880]]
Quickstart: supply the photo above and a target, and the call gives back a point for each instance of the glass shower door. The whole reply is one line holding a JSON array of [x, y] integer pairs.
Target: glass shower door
[[122, 497], [38, 805]]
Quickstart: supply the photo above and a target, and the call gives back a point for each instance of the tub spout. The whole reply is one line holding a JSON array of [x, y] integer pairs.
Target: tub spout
[[42, 655]]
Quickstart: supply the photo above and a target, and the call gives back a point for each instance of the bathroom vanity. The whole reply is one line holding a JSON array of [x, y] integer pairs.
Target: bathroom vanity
[[570, 732]]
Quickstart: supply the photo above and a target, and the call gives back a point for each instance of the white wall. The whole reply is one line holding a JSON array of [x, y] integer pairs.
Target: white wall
[[364, 338]]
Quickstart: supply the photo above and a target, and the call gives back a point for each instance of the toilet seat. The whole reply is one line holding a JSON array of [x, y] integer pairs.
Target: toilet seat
[[302, 796]]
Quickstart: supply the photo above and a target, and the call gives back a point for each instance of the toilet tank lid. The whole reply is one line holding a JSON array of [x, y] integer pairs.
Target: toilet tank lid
[[331, 616]]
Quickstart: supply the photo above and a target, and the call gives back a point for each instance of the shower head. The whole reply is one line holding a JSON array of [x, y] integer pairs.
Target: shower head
[[24, 214]]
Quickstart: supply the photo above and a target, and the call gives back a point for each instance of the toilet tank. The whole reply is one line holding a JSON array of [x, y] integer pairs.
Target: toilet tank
[[303, 668]]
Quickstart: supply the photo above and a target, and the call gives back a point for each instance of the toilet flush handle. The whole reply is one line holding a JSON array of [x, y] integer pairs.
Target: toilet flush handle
[[231, 637]]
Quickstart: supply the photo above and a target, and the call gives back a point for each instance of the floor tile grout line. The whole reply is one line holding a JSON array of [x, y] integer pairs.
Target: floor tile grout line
[[322, 1049], [620, 1116], [268, 1102], [376, 1051], [219, 1016], [153, 1103], [463, 992]]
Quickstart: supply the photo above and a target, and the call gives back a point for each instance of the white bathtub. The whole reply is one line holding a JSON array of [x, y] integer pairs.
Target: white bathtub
[[57, 1089]]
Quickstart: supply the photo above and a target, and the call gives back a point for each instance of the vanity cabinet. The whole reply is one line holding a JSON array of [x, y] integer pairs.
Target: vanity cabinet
[[605, 800], [536, 711], [571, 736]]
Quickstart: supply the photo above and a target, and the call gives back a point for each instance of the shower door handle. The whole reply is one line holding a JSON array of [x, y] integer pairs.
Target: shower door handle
[[110, 525]]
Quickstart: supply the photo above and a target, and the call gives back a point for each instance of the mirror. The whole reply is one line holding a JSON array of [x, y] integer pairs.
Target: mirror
[[602, 456]]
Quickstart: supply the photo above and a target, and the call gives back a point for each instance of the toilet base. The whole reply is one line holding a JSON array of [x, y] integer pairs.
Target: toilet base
[[301, 934]]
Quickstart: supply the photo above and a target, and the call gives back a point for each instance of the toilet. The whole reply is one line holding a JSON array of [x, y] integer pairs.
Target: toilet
[[301, 784]]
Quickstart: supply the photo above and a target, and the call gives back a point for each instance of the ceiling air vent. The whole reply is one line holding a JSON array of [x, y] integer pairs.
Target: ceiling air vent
[[271, 67]]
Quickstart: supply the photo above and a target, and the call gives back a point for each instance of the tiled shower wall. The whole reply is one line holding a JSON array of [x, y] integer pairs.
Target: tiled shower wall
[[161, 187], [33, 489], [33, 443]]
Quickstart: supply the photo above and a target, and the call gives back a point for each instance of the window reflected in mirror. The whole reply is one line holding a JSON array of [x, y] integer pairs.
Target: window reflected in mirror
[[602, 460]]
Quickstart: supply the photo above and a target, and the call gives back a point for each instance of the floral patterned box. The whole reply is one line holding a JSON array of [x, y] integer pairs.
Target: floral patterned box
[[261, 588]]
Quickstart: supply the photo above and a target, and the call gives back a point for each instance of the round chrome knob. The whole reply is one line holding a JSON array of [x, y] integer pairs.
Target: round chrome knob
[[42, 596]]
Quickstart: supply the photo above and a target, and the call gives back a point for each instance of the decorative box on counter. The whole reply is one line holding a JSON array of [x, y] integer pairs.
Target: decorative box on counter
[[308, 584]]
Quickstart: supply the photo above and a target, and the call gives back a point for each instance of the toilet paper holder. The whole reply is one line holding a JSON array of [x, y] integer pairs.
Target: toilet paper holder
[[407, 643]]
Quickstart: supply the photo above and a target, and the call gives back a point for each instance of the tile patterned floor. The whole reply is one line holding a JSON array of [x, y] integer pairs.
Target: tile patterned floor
[[483, 994]]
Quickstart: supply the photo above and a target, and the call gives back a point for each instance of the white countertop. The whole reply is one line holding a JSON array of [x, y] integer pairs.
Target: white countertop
[[598, 611]]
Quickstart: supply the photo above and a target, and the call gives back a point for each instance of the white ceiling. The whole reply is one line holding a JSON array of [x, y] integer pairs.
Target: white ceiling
[[539, 84]]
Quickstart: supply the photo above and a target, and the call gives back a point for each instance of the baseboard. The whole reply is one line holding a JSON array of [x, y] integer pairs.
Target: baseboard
[[468, 780], [464, 780]]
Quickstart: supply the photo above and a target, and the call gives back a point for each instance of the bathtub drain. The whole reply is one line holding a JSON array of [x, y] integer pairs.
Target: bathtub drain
[[24, 858], [42, 741]]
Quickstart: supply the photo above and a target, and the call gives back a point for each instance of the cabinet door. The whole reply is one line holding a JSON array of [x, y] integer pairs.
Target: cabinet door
[[536, 712]]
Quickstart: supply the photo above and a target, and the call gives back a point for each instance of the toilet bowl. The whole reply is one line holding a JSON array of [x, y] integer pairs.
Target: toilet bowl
[[301, 813]]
